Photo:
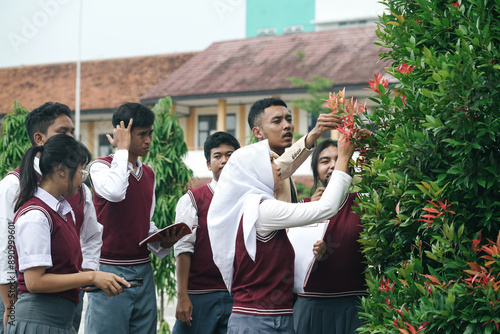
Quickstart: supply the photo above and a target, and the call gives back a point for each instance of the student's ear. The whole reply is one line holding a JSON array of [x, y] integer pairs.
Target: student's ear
[[208, 166], [257, 132], [39, 138], [61, 170]]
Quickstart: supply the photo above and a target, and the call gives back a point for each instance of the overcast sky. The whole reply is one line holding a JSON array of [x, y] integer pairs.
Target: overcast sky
[[46, 31]]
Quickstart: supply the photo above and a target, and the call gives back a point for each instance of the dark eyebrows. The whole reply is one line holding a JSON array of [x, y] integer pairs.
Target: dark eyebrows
[[65, 129], [217, 152]]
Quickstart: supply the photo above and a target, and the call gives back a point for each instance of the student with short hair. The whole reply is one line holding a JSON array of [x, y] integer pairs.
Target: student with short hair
[[203, 302], [247, 227], [49, 256], [124, 198], [42, 123], [270, 119]]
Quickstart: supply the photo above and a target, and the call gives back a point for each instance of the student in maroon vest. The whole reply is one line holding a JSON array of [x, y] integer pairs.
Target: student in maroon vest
[[203, 303], [124, 198], [49, 256], [330, 300], [249, 243], [42, 123]]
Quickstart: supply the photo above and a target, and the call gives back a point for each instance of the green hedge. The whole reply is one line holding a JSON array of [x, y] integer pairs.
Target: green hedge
[[432, 172]]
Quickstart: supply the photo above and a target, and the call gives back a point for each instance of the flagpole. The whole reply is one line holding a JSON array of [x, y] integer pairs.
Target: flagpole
[[78, 73]]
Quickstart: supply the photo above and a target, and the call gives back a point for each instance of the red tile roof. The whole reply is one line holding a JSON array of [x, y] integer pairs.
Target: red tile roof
[[263, 63], [104, 84]]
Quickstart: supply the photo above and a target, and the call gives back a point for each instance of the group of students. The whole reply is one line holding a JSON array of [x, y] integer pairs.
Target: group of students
[[65, 241], [240, 243], [235, 272]]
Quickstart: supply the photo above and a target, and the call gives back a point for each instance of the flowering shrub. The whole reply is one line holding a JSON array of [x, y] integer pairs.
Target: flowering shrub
[[349, 110], [433, 171]]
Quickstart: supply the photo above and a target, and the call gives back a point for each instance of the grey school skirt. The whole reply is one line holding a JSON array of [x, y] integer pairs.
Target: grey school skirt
[[38, 313]]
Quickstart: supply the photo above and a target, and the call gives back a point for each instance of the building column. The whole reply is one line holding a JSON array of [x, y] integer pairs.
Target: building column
[[296, 119], [91, 139], [221, 115], [190, 128], [243, 125], [334, 134]]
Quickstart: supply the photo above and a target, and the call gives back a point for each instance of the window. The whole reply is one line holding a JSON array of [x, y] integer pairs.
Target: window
[[207, 125], [105, 148]]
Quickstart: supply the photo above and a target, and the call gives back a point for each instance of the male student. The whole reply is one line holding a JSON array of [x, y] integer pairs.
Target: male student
[[124, 198], [42, 123], [203, 303], [270, 119]]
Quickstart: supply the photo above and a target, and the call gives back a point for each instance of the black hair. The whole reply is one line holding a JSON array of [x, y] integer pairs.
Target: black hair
[[39, 119], [217, 139], [315, 159], [258, 107], [142, 115], [58, 150]]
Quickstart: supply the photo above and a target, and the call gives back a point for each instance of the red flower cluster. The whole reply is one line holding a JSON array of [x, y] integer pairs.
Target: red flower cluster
[[405, 69], [384, 285], [440, 210], [410, 328], [379, 79], [483, 277], [456, 4], [348, 109]]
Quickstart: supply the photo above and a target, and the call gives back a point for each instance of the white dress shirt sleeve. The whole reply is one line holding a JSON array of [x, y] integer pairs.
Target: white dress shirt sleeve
[[186, 213], [111, 183], [278, 215], [155, 247], [90, 234], [33, 240], [9, 188]]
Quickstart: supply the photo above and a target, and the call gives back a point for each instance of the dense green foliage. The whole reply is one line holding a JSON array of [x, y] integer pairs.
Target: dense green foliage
[[172, 176], [434, 270], [14, 140]]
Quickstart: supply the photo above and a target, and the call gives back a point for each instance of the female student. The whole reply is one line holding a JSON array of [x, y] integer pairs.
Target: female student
[[48, 249], [329, 301], [249, 242]]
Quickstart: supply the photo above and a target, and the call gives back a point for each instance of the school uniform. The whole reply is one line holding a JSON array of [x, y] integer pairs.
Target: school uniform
[[330, 299], [124, 200], [255, 256], [46, 236], [207, 292], [88, 229]]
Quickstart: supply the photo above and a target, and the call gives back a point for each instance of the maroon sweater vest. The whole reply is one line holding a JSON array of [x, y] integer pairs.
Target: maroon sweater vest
[[264, 287], [340, 271], [77, 203], [126, 223], [65, 247], [204, 276]]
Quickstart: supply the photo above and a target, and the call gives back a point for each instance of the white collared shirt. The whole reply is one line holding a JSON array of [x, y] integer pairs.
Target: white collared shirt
[[33, 232], [185, 212], [90, 233], [278, 215], [111, 183]]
